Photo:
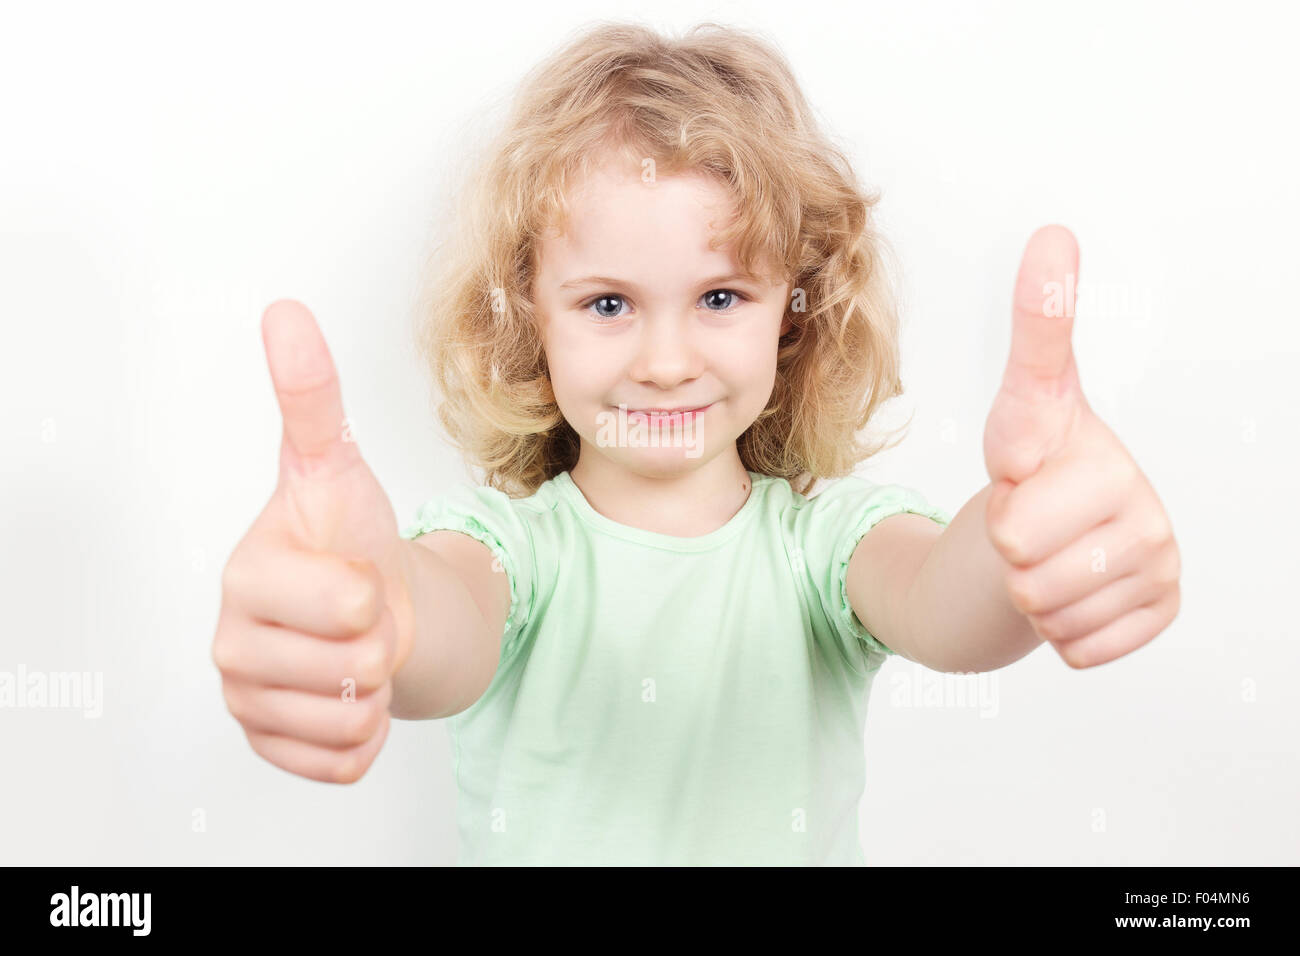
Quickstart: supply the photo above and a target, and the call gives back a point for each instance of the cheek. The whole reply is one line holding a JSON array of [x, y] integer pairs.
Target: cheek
[[579, 373], [564, 357], [566, 384], [748, 367]]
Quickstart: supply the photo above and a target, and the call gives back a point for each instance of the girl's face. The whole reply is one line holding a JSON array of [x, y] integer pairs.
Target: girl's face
[[635, 309]]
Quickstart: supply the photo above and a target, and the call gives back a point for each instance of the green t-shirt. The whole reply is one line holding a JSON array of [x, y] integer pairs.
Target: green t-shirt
[[668, 700]]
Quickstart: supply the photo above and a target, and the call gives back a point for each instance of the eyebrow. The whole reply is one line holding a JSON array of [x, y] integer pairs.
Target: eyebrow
[[608, 281]]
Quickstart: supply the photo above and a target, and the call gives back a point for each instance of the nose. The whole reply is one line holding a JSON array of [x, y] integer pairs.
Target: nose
[[668, 352]]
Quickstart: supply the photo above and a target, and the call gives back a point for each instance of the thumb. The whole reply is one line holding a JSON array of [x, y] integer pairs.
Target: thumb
[[1039, 404], [307, 389], [1043, 315]]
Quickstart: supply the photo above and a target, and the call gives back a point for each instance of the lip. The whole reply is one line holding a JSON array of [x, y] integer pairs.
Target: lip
[[684, 418], [669, 411]]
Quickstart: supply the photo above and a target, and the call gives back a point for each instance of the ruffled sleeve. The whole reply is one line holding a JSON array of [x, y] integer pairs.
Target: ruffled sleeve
[[827, 531], [490, 516]]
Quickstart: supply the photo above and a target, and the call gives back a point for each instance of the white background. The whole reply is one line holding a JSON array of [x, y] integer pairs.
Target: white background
[[167, 171]]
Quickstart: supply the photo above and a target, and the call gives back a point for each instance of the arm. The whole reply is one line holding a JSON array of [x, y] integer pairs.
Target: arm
[[1069, 543], [460, 605], [937, 595]]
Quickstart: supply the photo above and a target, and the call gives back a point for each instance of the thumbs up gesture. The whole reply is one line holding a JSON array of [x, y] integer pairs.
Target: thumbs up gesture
[[1094, 564], [316, 615]]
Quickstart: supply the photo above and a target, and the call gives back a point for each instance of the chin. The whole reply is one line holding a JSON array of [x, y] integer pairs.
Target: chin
[[662, 462]]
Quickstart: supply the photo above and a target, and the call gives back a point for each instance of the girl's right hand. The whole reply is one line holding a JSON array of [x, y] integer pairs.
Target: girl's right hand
[[316, 614]]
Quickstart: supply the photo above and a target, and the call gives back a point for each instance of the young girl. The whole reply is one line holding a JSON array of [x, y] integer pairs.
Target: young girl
[[663, 316]]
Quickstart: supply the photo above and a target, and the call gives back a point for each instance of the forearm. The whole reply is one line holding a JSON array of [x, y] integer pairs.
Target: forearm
[[447, 668], [957, 608]]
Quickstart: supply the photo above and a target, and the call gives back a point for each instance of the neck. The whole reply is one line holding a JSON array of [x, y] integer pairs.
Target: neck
[[684, 503]]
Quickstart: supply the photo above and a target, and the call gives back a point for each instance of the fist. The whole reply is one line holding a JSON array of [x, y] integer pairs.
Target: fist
[[1093, 561], [315, 614]]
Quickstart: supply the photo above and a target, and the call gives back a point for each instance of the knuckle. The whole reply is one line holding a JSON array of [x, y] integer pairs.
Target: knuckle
[[357, 606], [235, 701], [999, 532], [1022, 593], [1075, 654], [1073, 658], [1170, 569], [1050, 628], [256, 741], [1176, 561], [1120, 469], [223, 655], [1175, 604], [349, 769], [359, 723], [1127, 470], [1008, 541], [232, 579], [1153, 534], [370, 665]]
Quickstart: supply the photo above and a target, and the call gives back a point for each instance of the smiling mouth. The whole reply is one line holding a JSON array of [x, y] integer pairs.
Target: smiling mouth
[[656, 415], [668, 411]]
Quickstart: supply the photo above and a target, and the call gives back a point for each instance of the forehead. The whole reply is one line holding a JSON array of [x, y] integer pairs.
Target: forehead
[[617, 218]]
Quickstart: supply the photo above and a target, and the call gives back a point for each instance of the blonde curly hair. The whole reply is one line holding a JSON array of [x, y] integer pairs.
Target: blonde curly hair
[[718, 100]]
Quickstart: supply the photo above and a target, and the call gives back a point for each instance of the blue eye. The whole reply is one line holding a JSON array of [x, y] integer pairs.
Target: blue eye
[[731, 292], [619, 300], [605, 298]]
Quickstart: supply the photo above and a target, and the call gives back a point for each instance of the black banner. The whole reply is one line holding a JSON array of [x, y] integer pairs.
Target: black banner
[[1171, 905]]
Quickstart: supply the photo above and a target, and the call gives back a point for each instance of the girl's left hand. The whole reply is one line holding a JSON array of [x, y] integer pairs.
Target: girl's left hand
[[1094, 564]]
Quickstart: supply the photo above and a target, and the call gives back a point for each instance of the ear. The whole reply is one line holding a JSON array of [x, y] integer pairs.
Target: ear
[[787, 323]]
